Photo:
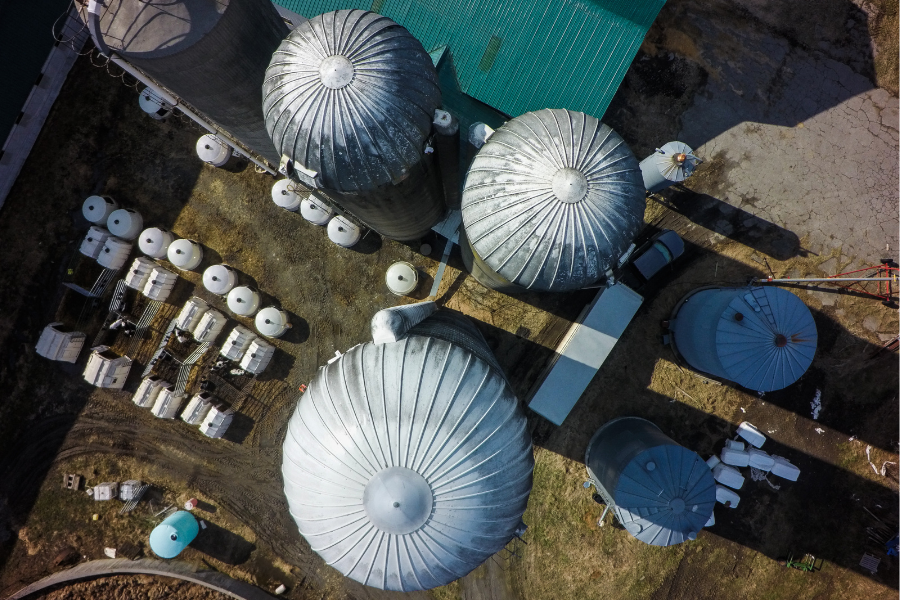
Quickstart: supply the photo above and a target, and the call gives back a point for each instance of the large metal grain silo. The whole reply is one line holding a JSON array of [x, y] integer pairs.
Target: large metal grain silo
[[662, 493], [551, 201], [350, 97], [762, 338], [407, 463], [213, 54]]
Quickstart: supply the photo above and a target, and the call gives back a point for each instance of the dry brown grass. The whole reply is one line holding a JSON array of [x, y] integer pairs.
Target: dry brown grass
[[884, 31]]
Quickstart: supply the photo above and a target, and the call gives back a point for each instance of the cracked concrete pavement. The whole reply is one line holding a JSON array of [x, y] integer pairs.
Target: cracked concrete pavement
[[798, 139]]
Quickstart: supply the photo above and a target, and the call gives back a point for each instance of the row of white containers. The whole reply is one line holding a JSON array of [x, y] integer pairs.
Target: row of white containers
[[740, 454], [341, 230], [158, 395]]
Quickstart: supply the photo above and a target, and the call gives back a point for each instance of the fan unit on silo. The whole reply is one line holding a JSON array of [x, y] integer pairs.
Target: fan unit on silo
[[662, 493], [211, 54], [550, 203], [762, 338], [434, 474], [349, 98], [671, 164]]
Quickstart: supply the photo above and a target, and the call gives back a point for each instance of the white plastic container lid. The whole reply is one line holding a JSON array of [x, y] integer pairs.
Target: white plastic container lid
[[219, 279], [343, 233], [213, 151], [243, 301], [750, 433], [735, 458], [284, 196], [97, 209], [272, 322], [155, 242], [316, 211], [185, 254], [402, 278], [723, 495], [735, 445], [125, 223], [729, 476]]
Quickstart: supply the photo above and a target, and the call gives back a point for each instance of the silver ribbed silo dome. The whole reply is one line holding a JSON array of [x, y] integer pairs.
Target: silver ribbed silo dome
[[407, 464], [551, 202], [351, 96], [211, 54]]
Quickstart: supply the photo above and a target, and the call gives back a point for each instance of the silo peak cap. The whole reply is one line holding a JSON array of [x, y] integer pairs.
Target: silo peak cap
[[336, 72]]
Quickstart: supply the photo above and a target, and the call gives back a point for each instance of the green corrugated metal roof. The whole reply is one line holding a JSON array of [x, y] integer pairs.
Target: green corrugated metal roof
[[526, 55]]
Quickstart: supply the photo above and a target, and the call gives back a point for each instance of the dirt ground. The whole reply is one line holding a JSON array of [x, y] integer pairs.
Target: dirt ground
[[141, 587], [52, 423]]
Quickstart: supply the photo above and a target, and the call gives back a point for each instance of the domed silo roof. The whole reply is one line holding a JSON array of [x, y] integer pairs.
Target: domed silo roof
[[662, 493], [351, 95], [407, 464], [552, 200], [762, 338]]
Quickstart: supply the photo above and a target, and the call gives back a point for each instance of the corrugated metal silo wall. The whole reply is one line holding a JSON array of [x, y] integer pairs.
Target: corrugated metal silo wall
[[222, 74], [482, 273], [617, 443], [453, 327], [403, 211], [694, 330]]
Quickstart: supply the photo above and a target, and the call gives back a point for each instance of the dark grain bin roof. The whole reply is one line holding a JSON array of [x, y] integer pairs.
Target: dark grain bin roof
[[552, 200], [351, 95]]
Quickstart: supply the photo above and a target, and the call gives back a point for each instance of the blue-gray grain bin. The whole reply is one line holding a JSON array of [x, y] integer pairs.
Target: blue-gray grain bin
[[762, 338], [551, 201], [662, 493]]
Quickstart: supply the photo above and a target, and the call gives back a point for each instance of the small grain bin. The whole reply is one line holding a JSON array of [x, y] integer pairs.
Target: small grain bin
[[155, 242], [96, 209], [349, 97], [272, 322], [125, 223], [257, 357], [285, 195], [197, 409], [191, 313], [219, 279], [210, 326], [213, 55], [139, 273], [762, 338], [344, 232], [407, 464], [106, 369], [160, 283], [148, 391], [185, 254], [56, 343], [673, 163], [173, 535], [662, 493], [156, 107], [213, 151], [114, 253], [217, 420], [243, 301], [401, 278], [315, 210], [550, 203], [167, 404], [237, 343], [93, 242]]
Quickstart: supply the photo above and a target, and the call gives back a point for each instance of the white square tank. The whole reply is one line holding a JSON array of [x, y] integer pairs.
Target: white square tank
[[729, 476]]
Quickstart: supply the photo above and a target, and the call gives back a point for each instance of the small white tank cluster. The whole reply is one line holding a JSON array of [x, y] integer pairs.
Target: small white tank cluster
[[341, 230]]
